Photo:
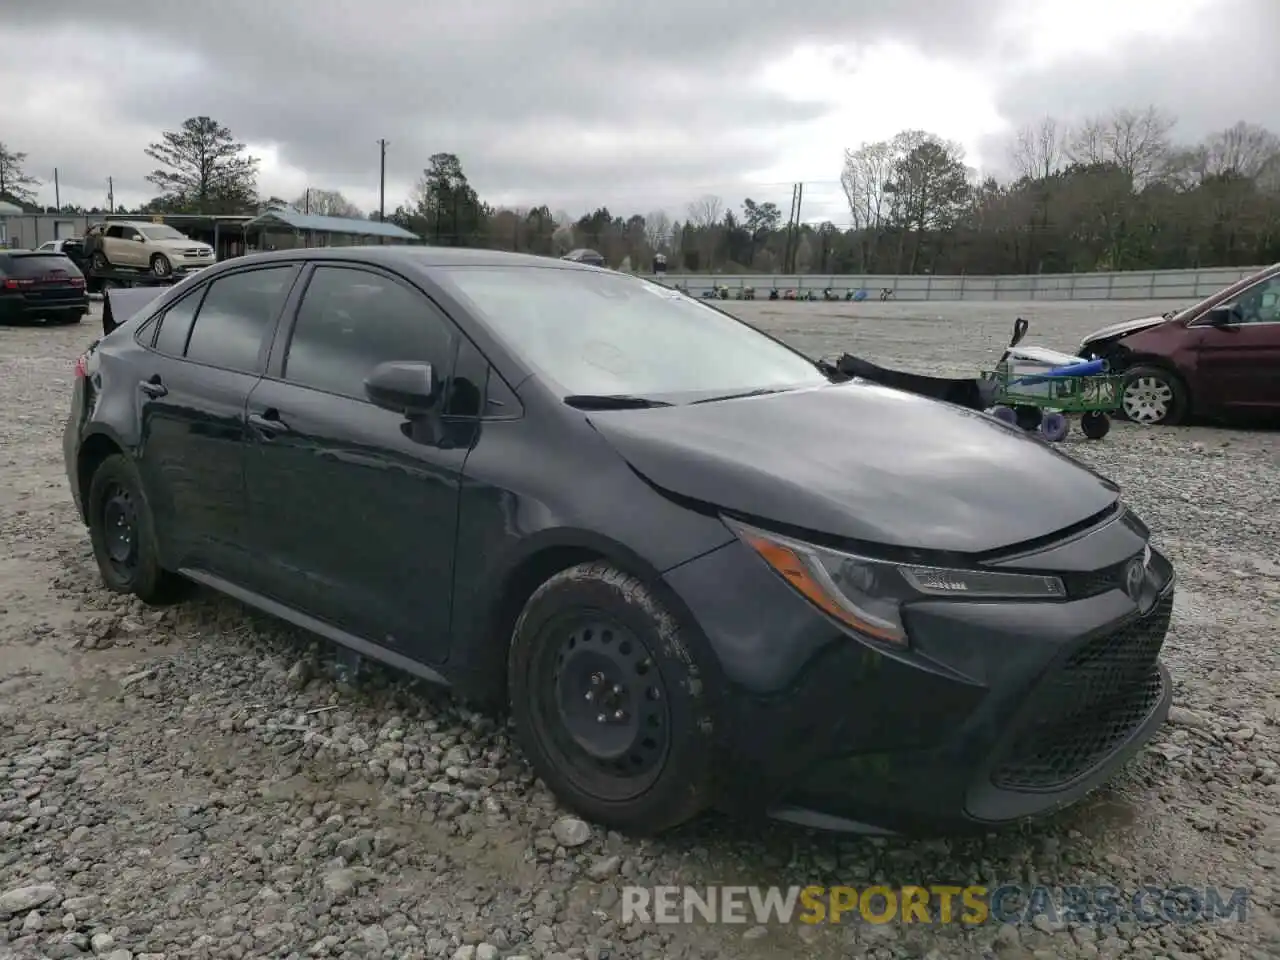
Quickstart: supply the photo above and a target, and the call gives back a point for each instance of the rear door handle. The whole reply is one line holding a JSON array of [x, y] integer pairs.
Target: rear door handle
[[153, 388], [268, 423]]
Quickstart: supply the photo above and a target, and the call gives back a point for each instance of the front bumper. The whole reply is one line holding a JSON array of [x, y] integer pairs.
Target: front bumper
[[999, 712]]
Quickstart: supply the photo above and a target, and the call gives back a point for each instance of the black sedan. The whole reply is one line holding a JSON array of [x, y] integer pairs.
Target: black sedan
[[701, 569]]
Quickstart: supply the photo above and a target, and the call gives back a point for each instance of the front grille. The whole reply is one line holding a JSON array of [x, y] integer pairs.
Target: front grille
[[1089, 705]]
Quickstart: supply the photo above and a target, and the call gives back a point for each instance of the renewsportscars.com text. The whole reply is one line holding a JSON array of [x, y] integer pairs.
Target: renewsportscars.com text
[[935, 903]]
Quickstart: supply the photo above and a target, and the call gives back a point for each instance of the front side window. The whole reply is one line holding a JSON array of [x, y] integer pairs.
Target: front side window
[[611, 334], [351, 320], [1259, 304], [236, 314]]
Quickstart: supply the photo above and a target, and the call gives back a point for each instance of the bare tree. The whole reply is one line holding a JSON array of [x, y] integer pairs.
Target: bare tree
[[706, 211], [705, 214], [1244, 150], [326, 203], [657, 229], [1136, 141], [865, 179], [1037, 149]]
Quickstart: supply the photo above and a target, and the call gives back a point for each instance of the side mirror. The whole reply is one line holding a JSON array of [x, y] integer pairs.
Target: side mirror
[[407, 388], [1222, 316]]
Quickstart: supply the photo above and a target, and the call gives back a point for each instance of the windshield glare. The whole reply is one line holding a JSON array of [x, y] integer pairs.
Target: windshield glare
[[162, 233], [601, 333]]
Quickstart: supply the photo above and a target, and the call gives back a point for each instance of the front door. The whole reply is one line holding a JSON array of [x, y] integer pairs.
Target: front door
[[1239, 362], [354, 508]]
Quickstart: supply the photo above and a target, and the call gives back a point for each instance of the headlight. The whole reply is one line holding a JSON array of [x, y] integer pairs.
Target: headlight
[[868, 595]]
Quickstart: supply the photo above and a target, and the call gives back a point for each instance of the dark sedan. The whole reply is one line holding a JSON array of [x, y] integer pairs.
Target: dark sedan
[[701, 569], [40, 285], [1220, 356]]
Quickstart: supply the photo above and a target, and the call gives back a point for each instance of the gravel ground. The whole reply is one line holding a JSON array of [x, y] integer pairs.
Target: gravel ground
[[201, 782]]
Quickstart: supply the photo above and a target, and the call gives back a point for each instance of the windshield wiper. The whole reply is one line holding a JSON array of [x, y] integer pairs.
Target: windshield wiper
[[612, 401], [762, 392]]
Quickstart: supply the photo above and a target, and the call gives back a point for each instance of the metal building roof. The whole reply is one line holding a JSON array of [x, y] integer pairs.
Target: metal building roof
[[347, 225]]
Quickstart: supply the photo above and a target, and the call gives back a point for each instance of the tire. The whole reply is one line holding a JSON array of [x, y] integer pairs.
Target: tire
[[98, 260], [116, 499], [160, 265], [1054, 427], [641, 761], [1029, 418], [1095, 424], [1153, 396], [1005, 415]]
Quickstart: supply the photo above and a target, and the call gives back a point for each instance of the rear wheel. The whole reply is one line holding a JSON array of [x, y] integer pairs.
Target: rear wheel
[[1153, 395], [99, 260], [609, 701], [122, 531]]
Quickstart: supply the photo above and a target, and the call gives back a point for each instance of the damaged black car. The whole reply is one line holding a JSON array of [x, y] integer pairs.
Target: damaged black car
[[699, 568]]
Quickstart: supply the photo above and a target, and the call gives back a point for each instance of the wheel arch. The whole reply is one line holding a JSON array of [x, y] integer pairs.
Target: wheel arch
[[481, 647], [94, 449]]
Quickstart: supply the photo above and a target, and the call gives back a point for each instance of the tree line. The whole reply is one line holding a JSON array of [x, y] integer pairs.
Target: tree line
[[1114, 192]]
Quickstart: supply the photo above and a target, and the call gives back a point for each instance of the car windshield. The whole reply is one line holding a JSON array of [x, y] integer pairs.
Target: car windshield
[[1224, 295], [161, 232], [604, 334]]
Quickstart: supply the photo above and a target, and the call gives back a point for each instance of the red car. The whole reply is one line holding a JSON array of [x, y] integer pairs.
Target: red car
[[1221, 356]]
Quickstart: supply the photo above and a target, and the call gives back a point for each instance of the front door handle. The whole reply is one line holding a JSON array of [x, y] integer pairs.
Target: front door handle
[[153, 388], [268, 423]]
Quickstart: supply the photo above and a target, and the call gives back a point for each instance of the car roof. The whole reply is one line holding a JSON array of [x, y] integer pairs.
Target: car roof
[[405, 257]]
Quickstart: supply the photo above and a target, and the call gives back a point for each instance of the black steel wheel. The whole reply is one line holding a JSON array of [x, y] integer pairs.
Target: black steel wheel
[[615, 722], [602, 704], [122, 531], [119, 525]]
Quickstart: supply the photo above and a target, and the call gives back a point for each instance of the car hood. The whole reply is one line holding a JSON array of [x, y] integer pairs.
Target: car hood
[[1125, 327], [183, 244], [862, 462]]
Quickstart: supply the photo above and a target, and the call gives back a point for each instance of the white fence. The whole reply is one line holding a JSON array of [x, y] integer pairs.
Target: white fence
[[1138, 285]]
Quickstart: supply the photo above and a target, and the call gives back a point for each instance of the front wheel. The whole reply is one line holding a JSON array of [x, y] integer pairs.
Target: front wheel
[[122, 531], [609, 701], [1152, 396], [160, 265]]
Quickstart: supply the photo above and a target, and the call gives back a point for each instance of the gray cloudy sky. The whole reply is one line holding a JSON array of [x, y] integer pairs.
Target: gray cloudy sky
[[579, 103]]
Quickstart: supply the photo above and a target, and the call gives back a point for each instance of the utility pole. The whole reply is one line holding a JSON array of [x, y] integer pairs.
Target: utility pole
[[57, 194], [795, 247], [791, 219], [111, 195], [382, 184], [382, 181], [306, 202]]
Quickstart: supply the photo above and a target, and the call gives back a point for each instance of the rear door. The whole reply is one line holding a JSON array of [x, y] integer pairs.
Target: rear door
[[206, 352], [1239, 363], [355, 508]]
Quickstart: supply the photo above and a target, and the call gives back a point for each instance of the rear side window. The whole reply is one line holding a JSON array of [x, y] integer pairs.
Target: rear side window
[[236, 313], [175, 325], [351, 320]]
